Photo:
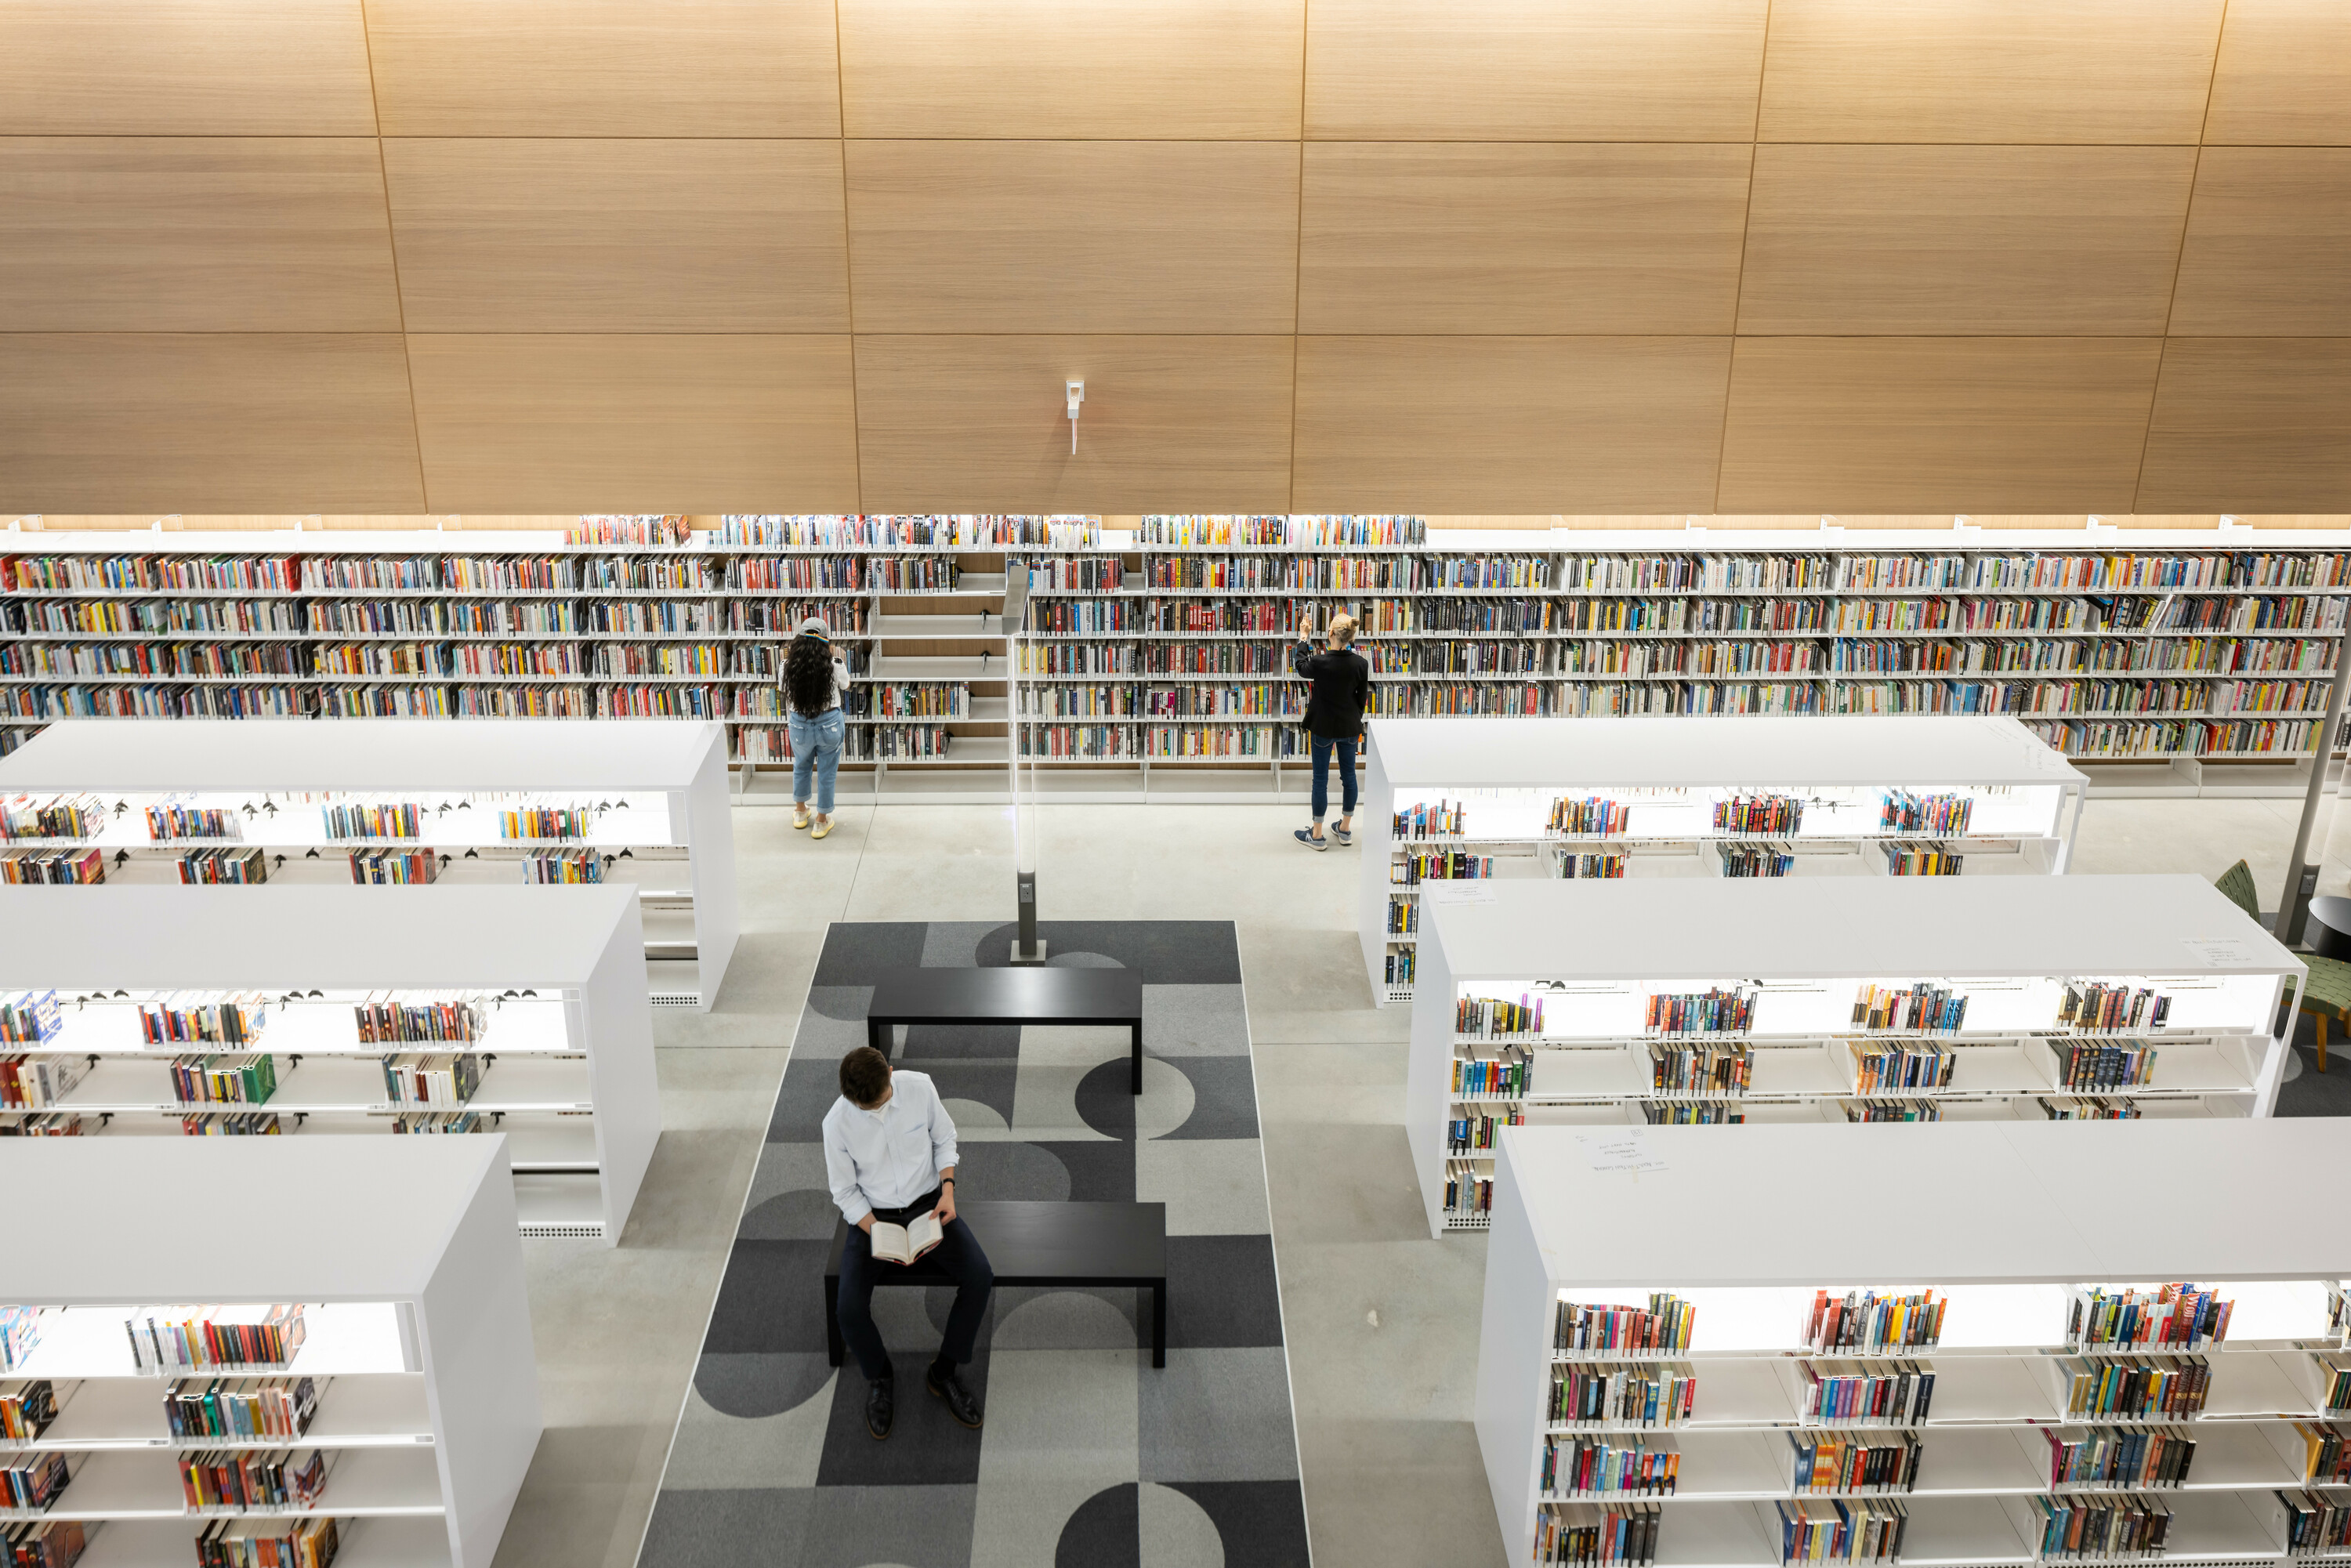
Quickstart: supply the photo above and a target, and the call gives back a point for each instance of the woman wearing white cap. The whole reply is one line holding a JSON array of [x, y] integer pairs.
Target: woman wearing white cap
[[815, 675]]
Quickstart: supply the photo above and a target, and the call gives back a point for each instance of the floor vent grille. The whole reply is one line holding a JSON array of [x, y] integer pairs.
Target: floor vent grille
[[576, 1232]]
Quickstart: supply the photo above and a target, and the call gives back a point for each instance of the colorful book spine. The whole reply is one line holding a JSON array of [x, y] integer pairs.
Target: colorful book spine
[[2086, 1527], [1774, 814], [2155, 1388], [216, 1079], [1583, 1394], [1594, 1467], [1715, 1011], [1666, 1323], [1589, 1535], [1866, 1321], [1930, 1009], [2173, 1316], [1852, 1392]]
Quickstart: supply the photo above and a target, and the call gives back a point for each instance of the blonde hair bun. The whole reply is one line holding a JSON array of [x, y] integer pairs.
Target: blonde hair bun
[[1343, 630]]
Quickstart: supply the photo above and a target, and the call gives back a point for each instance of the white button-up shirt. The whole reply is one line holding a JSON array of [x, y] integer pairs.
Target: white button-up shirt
[[890, 1157]]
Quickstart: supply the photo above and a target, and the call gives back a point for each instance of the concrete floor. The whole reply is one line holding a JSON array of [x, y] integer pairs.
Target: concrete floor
[[1382, 1320]]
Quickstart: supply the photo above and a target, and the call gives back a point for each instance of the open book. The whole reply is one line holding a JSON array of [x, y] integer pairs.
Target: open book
[[905, 1243]]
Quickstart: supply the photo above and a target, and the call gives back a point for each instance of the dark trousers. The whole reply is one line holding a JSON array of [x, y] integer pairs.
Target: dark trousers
[[958, 1255], [1322, 745]]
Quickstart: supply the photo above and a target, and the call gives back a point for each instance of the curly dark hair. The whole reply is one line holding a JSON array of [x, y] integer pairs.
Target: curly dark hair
[[808, 675], [864, 1075]]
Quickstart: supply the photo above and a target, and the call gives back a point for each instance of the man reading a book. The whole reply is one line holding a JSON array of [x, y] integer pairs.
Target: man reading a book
[[890, 1159]]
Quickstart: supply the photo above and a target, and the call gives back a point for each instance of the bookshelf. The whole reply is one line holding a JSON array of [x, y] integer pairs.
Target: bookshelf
[[1645, 798], [561, 1046], [2012, 1236], [416, 1335], [636, 804], [1795, 954], [2171, 661]]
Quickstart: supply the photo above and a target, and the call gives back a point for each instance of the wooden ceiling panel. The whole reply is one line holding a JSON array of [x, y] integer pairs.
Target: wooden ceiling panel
[[1509, 424], [2250, 424], [1084, 236], [572, 235], [1168, 423], [1541, 237], [183, 68], [2020, 241], [1182, 69], [1936, 425], [637, 423], [2017, 71], [2268, 245], [1533, 70], [206, 421], [2284, 76], [189, 234], [605, 68]]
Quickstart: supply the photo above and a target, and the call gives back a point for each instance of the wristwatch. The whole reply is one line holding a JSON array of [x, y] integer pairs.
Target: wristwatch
[[947, 1181]]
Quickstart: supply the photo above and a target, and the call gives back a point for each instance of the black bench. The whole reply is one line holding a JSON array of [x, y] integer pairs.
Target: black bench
[[1033, 1243], [1016, 996]]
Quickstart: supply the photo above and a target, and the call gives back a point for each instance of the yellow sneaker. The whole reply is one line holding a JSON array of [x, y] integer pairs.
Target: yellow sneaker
[[799, 816], [821, 829]]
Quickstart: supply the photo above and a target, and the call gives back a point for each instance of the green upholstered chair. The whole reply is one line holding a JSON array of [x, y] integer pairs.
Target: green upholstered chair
[[2328, 994]]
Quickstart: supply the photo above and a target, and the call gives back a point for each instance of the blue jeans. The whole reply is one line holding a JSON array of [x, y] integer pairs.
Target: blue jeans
[[1322, 775], [815, 744]]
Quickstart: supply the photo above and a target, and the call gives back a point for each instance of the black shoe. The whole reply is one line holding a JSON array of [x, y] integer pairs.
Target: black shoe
[[880, 1405], [949, 1388]]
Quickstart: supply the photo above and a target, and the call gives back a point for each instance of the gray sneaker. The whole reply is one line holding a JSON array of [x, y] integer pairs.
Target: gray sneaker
[[1305, 836]]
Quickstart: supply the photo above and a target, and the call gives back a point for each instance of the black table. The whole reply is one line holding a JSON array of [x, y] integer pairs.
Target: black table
[[1033, 1243], [2329, 928], [1017, 996]]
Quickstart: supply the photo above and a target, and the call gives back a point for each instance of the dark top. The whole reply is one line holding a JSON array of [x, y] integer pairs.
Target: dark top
[[1026, 1240], [1023, 995], [1342, 685]]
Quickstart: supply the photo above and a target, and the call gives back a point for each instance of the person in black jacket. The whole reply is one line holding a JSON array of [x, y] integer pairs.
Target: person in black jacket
[[1334, 718]]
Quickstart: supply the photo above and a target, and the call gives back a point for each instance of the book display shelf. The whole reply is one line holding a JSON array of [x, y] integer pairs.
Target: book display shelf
[[376, 1391], [1466, 800], [2181, 661], [1610, 1004], [635, 803], [140, 1013], [2019, 1370]]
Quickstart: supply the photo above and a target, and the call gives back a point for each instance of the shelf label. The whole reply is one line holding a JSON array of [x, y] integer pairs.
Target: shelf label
[[2221, 952], [1618, 1152], [1464, 892]]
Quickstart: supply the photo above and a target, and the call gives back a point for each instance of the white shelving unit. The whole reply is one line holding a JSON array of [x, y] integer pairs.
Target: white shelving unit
[[418, 1332], [2007, 1222], [656, 791], [1593, 952], [567, 1052], [1668, 775]]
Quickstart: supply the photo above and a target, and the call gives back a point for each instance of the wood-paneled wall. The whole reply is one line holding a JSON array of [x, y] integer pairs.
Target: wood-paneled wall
[[1753, 257]]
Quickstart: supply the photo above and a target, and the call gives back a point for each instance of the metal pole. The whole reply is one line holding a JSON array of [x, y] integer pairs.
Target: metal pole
[[1026, 948], [2295, 903]]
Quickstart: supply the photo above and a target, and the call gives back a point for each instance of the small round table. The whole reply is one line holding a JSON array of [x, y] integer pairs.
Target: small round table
[[2329, 928]]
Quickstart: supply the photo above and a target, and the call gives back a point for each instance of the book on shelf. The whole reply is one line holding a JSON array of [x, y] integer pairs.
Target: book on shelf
[[1692, 1113], [38, 1083], [241, 1406], [174, 818], [1490, 1016], [1468, 1192], [2171, 1316], [2315, 1522], [1883, 1065], [202, 1338], [2087, 1108], [1627, 1396], [44, 1543], [1898, 1395], [24, 818], [267, 1543], [1403, 918], [1778, 815], [562, 870], [1432, 819], [1401, 965], [1867, 1321], [1891, 1110], [383, 1019], [1439, 866], [2094, 1527], [1589, 817], [2334, 1373], [2103, 1065], [1903, 812], [395, 868], [54, 867], [1756, 860], [2140, 1459], [29, 1018], [546, 822], [178, 1019], [231, 1124], [401, 820], [248, 1480], [441, 1121], [2154, 1389], [26, 1409], [1511, 1074], [224, 1078], [1840, 1463], [1573, 1466], [1665, 1325], [432, 1080], [1923, 860], [240, 867], [1571, 866], [1677, 1069], [1595, 1535], [32, 1481], [2326, 1455], [20, 1334], [2093, 1007], [1840, 1530], [1477, 1132], [1715, 1011], [1929, 1010]]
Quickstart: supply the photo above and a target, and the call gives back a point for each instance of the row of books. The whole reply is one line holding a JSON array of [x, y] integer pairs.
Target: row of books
[[1590, 816], [667, 531], [2094, 1527], [2137, 1459], [2102, 1066], [1895, 1395], [1572, 866], [1778, 815], [44, 1543], [1584, 1467], [31, 1481], [1700, 1069], [395, 868], [432, 1080], [1746, 859], [1839, 1464], [27, 1409], [1194, 532], [2087, 1108], [182, 1017], [242, 1481], [1717, 1010], [929, 531], [174, 818], [1439, 819], [70, 868], [1481, 1016], [1691, 1112], [239, 867], [1929, 1010], [28, 1018], [1511, 1076], [2155, 1388], [562, 868], [1666, 1323], [1400, 966], [1403, 918], [1922, 860], [1880, 1066], [1625, 1396], [2094, 1005], [202, 1338], [2184, 1316], [1477, 1131], [1582, 1535], [1412, 869], [37, 1082], [24, 818], [1468, 1194], [232, 1125], [1861, 1530], [454, 1018], [212, 1079], [1864, 1320], [268, 1543], [2316, 1523], [1880, 1109]]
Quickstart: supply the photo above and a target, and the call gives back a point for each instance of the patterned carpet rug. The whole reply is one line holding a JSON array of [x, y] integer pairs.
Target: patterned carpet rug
[[1089, 1456]]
